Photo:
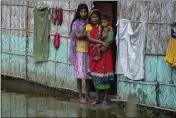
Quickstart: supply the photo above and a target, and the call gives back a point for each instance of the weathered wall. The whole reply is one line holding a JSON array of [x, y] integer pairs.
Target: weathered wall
[[17, 50], [159, 85]]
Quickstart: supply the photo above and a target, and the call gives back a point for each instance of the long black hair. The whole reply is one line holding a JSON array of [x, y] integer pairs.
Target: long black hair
[[77, 16]]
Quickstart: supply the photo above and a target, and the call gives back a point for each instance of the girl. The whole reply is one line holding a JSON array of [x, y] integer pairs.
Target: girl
[[78, 56], [100, 71], [106, 34]]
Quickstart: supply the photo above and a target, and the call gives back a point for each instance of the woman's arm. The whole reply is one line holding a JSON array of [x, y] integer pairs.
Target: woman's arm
[[94, 40], [80, 35]]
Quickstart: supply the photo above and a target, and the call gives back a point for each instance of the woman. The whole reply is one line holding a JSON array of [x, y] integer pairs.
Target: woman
[[78, 56], [101, 71]]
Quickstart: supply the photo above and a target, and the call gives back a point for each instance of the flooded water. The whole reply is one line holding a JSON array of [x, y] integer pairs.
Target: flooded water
[[22, 105], [25, 99]]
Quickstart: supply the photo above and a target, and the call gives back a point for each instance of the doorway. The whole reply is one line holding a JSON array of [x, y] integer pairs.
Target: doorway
[[109, 8]]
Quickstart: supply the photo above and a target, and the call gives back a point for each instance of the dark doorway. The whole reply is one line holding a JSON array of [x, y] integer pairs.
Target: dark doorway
[[109, 8]]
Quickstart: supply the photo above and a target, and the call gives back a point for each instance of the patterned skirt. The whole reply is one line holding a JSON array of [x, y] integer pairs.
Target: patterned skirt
[[101, 71]]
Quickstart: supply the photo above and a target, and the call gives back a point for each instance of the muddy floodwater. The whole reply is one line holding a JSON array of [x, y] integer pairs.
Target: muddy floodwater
[[23, 99], [21, 105], [20, 98]]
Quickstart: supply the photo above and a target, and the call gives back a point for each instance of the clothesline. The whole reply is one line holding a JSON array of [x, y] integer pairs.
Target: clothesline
[[73, 10], [36, 6], [151, 22], [147, 22], [63, 36], [30, 31]]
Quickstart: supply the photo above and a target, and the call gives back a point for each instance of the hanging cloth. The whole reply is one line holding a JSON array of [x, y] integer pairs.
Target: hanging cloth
[[56, 42], [130, 48], [59, 16], [171, 50], [54, 15], [42, 27]]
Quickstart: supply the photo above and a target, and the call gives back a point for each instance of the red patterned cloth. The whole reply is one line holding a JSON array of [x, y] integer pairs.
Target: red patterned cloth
[[104, 66]]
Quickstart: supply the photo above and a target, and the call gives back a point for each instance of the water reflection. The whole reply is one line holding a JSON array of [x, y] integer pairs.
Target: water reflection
[[22, 105]]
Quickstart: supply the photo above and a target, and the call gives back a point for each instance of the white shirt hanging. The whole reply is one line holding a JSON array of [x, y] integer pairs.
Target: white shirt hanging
[[130, 50]]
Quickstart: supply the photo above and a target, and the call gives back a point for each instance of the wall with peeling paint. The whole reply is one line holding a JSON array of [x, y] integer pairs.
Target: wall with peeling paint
[[159, 85], [17, 49]]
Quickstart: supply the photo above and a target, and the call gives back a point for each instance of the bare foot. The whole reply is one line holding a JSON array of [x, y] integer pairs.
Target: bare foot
[[88, 99], [97, 58], [95, 102], [104, 103], [82, 100]]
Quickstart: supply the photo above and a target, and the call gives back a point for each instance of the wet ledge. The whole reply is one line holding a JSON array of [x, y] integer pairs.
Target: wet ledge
[[18, 85]]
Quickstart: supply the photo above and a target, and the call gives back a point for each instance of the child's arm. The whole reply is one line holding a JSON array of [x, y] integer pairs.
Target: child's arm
[[105, 33], [97, 46], [103, 48], [109, 29]]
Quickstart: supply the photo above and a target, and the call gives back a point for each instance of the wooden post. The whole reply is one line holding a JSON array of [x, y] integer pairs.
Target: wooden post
[[131, 106], [27, 34]]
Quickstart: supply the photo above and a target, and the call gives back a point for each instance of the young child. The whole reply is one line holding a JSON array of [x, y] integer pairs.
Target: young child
[[78, 56], [100, 71], [105, 34]]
